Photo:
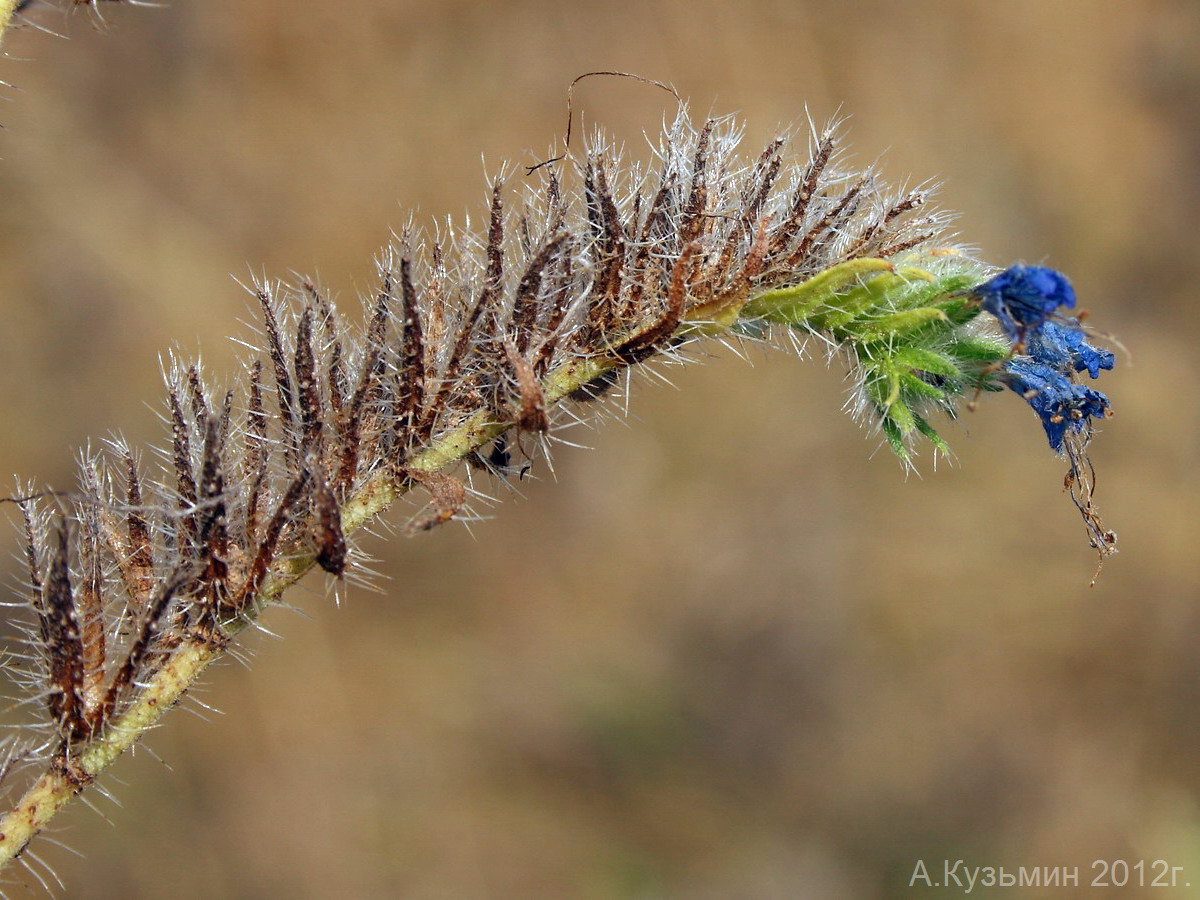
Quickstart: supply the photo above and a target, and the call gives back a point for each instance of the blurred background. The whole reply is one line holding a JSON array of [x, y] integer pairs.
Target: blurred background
[[732, 651]]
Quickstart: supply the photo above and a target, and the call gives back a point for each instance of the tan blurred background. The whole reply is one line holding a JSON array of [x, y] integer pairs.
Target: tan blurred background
[[733, 651]]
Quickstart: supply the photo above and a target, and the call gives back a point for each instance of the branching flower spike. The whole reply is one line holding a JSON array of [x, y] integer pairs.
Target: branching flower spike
[[478, 347]]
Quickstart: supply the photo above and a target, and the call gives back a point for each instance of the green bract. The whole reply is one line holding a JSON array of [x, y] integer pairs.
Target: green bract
[[909, 332]]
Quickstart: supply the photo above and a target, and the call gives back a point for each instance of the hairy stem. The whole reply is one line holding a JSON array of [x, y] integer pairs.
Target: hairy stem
[[68, 775], [8, 8], [840, 289], [550, 304]]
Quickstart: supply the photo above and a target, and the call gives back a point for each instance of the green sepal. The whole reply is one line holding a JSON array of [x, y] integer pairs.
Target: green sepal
[[793, 305], [902, 414], [899, 323], [894, 438], [920, 359], [978, 350], [931, 434], [912, 386], [899, 421], [955, 284], [905, 326], [877, 294], [958, 311], [885, 391]]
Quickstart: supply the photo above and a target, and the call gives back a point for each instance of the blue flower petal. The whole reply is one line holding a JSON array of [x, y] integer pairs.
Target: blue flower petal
[[1060, 403], [1023, 297], [1062, 346]]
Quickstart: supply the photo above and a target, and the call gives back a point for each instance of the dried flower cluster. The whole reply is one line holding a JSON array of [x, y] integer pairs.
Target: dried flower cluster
[[475, 345]]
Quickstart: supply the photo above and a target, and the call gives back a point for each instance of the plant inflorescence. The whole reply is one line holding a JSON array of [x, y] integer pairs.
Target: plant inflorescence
[[477, 346]]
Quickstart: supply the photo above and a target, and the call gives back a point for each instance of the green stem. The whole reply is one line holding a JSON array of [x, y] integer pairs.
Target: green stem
[[834, 290], [7, 9], [73, 770], [70, 774]]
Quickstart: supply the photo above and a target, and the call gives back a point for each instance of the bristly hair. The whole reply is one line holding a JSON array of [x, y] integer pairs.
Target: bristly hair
[[600, 265], [473, 340]]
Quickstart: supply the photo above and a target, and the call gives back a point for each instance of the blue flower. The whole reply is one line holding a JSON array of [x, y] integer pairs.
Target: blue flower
[[1025, 300], [1062, 346], [1059, 402], [1024, 297]]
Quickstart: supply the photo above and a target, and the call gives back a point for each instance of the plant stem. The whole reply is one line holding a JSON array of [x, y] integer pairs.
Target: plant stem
[[7, 9], [70, 773]]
